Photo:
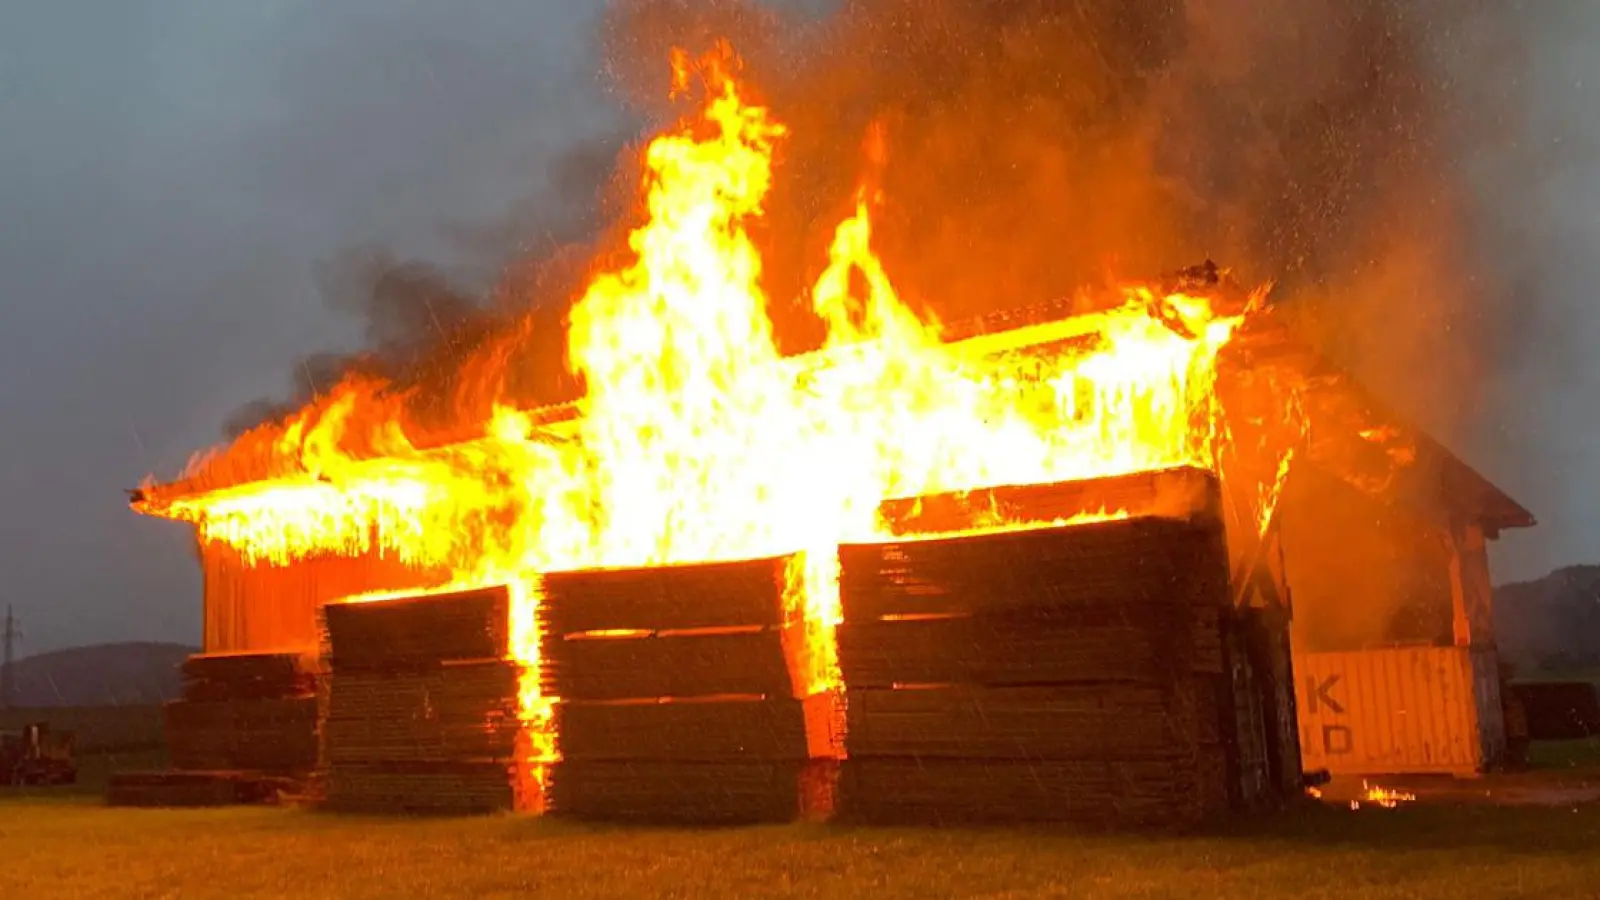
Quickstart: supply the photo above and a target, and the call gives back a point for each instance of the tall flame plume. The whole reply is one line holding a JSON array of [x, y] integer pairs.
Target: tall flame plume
[[695, 439]]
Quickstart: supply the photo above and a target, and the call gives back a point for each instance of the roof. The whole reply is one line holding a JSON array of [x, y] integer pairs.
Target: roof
[[1362, 440], [1352, 432], [1050, 325]]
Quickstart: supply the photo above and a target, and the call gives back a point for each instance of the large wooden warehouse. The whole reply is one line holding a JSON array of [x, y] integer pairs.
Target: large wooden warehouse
[[1376, 554]]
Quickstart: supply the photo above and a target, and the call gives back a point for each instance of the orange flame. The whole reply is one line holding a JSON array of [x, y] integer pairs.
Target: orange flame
[[696, 440], [1383, 797]]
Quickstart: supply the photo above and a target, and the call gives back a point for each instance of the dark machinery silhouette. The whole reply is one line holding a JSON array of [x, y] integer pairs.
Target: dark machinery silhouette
[[36, 756]]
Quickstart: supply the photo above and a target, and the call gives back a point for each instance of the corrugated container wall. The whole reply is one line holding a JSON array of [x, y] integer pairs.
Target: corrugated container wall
[[1400, 711]]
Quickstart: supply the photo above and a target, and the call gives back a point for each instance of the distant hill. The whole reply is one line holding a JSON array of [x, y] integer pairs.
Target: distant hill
[[101, 675], [1552, 623]]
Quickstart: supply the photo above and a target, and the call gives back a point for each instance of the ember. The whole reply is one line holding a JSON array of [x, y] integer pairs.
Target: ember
[[1388, 799]]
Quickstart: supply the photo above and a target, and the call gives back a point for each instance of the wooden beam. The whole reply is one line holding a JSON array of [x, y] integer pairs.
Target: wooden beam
[[1470, 590]]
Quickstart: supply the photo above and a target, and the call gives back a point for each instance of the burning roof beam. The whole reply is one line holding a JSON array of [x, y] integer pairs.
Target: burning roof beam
[[1357, 437]]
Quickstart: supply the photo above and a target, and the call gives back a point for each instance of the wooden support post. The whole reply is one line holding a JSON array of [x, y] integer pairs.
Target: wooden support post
[[1460, 621], [1470, 590]]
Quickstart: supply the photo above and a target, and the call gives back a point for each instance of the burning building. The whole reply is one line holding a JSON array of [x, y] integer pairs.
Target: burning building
[[1060, 523], [1382, 540]]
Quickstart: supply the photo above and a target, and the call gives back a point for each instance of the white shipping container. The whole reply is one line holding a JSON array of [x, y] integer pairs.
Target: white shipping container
[[1411, 710]]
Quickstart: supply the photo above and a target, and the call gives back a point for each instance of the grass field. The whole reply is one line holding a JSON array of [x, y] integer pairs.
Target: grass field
[[1534, 676], [1583, 753], [71, 847], [62, 843]]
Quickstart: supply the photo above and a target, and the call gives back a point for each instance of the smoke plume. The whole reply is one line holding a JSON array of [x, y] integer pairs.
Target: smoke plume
[[1040, 147], [1037, 148], [424, 322]]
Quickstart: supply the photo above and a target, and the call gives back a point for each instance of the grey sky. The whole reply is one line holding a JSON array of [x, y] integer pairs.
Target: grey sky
[[1540, 183], [170, 172]]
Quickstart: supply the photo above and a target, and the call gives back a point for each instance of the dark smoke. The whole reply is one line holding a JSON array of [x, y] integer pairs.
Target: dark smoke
[[1037, 148], [424, 323], [413, 313], [1041, 147]]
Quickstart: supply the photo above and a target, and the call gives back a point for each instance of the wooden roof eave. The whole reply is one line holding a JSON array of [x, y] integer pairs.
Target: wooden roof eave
[[1436, 474]]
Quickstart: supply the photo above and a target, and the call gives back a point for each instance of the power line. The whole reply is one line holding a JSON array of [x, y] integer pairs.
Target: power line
[[7, 683]]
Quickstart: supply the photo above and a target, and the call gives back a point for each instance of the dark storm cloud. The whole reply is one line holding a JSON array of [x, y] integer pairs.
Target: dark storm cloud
[[172, 175]]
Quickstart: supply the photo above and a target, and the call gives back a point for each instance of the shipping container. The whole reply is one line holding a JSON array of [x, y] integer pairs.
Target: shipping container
[[1406, 710]]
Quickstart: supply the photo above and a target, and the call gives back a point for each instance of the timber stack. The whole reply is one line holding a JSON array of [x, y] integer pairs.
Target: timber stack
[[679, 698], [254, 712], [1087, 674], [176, 788], [422, 709], [244, 731]]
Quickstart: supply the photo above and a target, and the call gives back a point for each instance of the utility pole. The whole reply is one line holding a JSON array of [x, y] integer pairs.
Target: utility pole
[[10, 637]]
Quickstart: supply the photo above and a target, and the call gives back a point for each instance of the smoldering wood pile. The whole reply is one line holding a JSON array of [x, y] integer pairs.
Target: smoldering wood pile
[[677, 701], [422, 710], [245, 712], [1059, 674]]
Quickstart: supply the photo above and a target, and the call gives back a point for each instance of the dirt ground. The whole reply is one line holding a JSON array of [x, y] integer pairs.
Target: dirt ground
[[1540, 788], [1562, 774]]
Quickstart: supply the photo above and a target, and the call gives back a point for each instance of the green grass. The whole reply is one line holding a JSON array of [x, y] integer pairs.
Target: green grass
[[1583, 753], [1546, 676], [73, 848], [62, 843]]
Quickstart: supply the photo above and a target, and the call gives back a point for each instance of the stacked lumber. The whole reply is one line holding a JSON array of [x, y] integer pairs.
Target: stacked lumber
[[247, 676], [1165, 493], [460, 712], [254, 712], [437, 788], [1056, 674], [181, 789], [422, 711], [277, 736], [422, 630], [677, 698]]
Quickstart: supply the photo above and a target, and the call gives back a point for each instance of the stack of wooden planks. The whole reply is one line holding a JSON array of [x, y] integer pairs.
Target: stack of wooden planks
[[1056, 674], [1166, 493], [422, 708], [676, 698], [252, 712], [180, 789]]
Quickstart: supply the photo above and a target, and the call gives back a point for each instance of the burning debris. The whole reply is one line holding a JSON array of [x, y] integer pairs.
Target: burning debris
[[1381, 797]]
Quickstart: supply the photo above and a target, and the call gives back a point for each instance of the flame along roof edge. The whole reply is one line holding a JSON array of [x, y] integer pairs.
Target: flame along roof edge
[[1266, 338]]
